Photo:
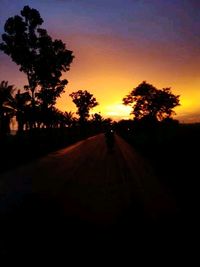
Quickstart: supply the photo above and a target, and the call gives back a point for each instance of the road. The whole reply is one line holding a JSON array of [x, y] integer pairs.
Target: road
[[88, 182]]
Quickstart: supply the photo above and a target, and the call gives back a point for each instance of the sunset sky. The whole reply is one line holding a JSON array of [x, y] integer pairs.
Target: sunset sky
[[118, 44]]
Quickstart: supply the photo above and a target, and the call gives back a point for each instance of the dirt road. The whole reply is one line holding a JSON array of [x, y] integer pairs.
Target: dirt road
[[89, 182]]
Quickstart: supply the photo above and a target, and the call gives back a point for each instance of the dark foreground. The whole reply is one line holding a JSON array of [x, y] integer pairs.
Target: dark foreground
[[86, 196]]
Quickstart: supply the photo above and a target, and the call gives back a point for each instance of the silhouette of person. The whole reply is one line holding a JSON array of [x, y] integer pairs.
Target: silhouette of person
[[109, 135]]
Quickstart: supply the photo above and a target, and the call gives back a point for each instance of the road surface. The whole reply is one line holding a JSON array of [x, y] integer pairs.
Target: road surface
[[88, 182]]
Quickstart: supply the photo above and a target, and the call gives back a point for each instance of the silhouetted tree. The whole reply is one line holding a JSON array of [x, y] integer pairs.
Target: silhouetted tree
[[69, 118], [6, 109], [97, 118], [108, 123], [20, 42], [84, 102], [21, 103], [39, 57], [96, 123], [150, 103]]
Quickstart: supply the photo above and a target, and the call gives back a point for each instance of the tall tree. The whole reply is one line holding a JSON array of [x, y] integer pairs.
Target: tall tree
[[84, 102], [149, 102], [20, 42], [6, 109], [42, 59]]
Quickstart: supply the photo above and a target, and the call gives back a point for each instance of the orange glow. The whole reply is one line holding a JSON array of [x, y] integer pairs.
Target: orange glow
[[117, 111], [111, 73], [109, 68]]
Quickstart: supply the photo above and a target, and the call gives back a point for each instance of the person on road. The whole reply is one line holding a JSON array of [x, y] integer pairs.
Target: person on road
[[109, 135]]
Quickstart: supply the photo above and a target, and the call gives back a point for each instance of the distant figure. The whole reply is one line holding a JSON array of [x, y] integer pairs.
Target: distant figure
[[109, 135]]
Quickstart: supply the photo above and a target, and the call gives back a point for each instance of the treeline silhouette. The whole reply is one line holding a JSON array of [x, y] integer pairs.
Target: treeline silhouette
[[41, 127]]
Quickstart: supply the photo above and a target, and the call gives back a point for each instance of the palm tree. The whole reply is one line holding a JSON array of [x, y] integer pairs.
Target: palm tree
[[6, 109], [69, 118], [20, 103]]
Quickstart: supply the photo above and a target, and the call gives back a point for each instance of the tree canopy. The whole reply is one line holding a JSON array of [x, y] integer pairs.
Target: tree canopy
[[84, 102], [149, 102], [40, 57]]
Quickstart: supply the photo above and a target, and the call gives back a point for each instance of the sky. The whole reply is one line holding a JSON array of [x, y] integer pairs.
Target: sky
[[117, 44]]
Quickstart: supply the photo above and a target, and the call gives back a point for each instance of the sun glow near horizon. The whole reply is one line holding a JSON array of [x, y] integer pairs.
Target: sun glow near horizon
[[117, 110], [110, 101]]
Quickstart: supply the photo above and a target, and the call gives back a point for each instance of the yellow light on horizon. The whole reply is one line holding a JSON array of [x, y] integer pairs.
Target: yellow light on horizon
[[117, 110]]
